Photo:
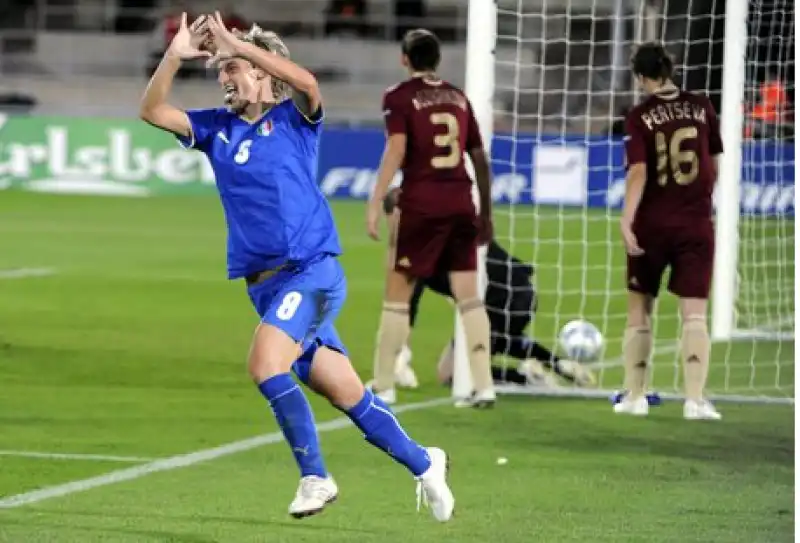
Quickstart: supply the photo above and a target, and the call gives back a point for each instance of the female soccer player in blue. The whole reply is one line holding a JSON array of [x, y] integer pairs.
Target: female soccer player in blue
[[283, 242]]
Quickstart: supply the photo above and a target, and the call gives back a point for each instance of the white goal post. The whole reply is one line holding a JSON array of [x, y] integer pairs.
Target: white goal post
[[574, 243]]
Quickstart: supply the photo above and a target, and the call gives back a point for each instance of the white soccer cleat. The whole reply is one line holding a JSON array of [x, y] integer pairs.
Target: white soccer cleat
[[484, 399], [404, 376], [637, 407], [432, 487], [700, 410], [313, 494]]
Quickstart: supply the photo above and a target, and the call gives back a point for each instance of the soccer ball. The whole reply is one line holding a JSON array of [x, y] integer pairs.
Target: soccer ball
[[581, 341]]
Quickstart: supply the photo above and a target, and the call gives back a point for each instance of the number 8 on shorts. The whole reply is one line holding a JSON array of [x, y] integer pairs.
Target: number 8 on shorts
[[289, 305]]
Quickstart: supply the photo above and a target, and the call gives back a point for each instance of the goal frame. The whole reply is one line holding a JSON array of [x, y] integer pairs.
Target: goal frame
[[479, 87]]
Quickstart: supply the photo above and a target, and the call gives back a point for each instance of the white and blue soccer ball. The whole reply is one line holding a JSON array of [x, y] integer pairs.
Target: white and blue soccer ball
[[581, 341]]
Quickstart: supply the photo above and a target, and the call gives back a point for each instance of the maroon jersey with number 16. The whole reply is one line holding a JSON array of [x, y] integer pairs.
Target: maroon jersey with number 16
[[439, 124], [438, 229], [676, 135]]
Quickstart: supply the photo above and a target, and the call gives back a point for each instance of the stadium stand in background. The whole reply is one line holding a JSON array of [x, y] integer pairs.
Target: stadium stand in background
[[89, 57]]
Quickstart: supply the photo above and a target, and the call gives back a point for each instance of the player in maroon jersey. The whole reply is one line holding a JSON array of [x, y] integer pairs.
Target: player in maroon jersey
[[429, 127], [672, 143]]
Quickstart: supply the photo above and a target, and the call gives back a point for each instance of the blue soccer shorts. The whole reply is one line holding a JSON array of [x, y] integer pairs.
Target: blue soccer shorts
[[304, 301]]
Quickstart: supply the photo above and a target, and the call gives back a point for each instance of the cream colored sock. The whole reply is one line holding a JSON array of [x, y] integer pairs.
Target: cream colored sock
[[637, 344], [392, 335], [478, 334], [695, 350]]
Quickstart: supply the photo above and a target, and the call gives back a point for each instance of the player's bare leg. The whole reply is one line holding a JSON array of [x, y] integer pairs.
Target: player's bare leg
[[695, 352], [271, 356], [637, 346], [477, 330], [393, 332], [332, 376]]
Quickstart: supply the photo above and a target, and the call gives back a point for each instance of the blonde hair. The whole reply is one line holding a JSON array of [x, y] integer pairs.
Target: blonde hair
[[269, 41]]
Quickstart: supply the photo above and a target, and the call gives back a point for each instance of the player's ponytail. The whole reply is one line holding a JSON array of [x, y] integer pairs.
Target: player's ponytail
[[652, 61]]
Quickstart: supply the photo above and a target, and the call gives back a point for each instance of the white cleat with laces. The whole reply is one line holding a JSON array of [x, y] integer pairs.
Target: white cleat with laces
[[432, 487], [700, 410], [313, 494]]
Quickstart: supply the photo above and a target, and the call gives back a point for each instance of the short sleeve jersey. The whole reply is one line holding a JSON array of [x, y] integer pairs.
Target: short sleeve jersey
[[440, 127], [266, 179], [676, 135]]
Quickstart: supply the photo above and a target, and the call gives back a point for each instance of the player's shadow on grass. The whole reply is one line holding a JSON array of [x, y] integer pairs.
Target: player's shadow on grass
[[157, 535], [259, 523], [734, 444]]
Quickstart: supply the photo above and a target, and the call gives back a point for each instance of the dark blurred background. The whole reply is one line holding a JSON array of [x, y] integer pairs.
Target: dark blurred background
[[561, 64]]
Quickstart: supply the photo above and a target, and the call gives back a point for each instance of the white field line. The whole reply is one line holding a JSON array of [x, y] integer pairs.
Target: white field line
[[23, 273], [181, 461], [76, 456]]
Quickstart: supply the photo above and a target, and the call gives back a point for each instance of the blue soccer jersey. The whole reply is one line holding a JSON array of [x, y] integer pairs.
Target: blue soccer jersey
[[266, 179]]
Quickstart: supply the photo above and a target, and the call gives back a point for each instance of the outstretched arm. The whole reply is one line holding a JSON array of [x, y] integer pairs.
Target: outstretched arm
[[154, 108]]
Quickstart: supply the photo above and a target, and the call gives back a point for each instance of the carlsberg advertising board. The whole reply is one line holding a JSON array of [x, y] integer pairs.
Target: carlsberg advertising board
[[127, 157], [97, 156]]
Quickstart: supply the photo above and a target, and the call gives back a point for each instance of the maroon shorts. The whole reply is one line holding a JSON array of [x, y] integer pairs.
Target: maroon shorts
[[427, 245], [687, 251]]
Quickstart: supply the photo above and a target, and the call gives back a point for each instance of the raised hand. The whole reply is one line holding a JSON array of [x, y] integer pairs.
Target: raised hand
[[187, 43], [225, 42]]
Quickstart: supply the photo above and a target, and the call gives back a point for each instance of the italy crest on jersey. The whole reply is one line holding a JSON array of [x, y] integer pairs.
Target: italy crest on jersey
[[266, 128]]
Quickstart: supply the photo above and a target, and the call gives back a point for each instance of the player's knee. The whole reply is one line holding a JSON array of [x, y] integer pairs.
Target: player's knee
[[262, 367], [345, 399], [271, 353], [399, 287], [464, 285], [333, 376]]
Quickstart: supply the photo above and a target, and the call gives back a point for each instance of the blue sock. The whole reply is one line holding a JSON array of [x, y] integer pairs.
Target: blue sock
[[297, 422], [382, 429]]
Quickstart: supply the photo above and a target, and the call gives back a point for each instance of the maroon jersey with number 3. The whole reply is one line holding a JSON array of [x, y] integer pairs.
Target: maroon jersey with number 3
[[438, 230], [440, 126], [676, 135]]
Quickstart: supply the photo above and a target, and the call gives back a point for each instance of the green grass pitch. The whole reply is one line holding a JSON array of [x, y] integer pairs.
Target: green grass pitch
[[135, 347]]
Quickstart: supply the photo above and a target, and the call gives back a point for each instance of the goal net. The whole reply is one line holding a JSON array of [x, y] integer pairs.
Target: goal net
[[561, 86]]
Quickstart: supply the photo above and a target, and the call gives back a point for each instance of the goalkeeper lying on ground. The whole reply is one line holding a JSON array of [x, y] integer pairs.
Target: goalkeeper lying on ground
[[510, 302]]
